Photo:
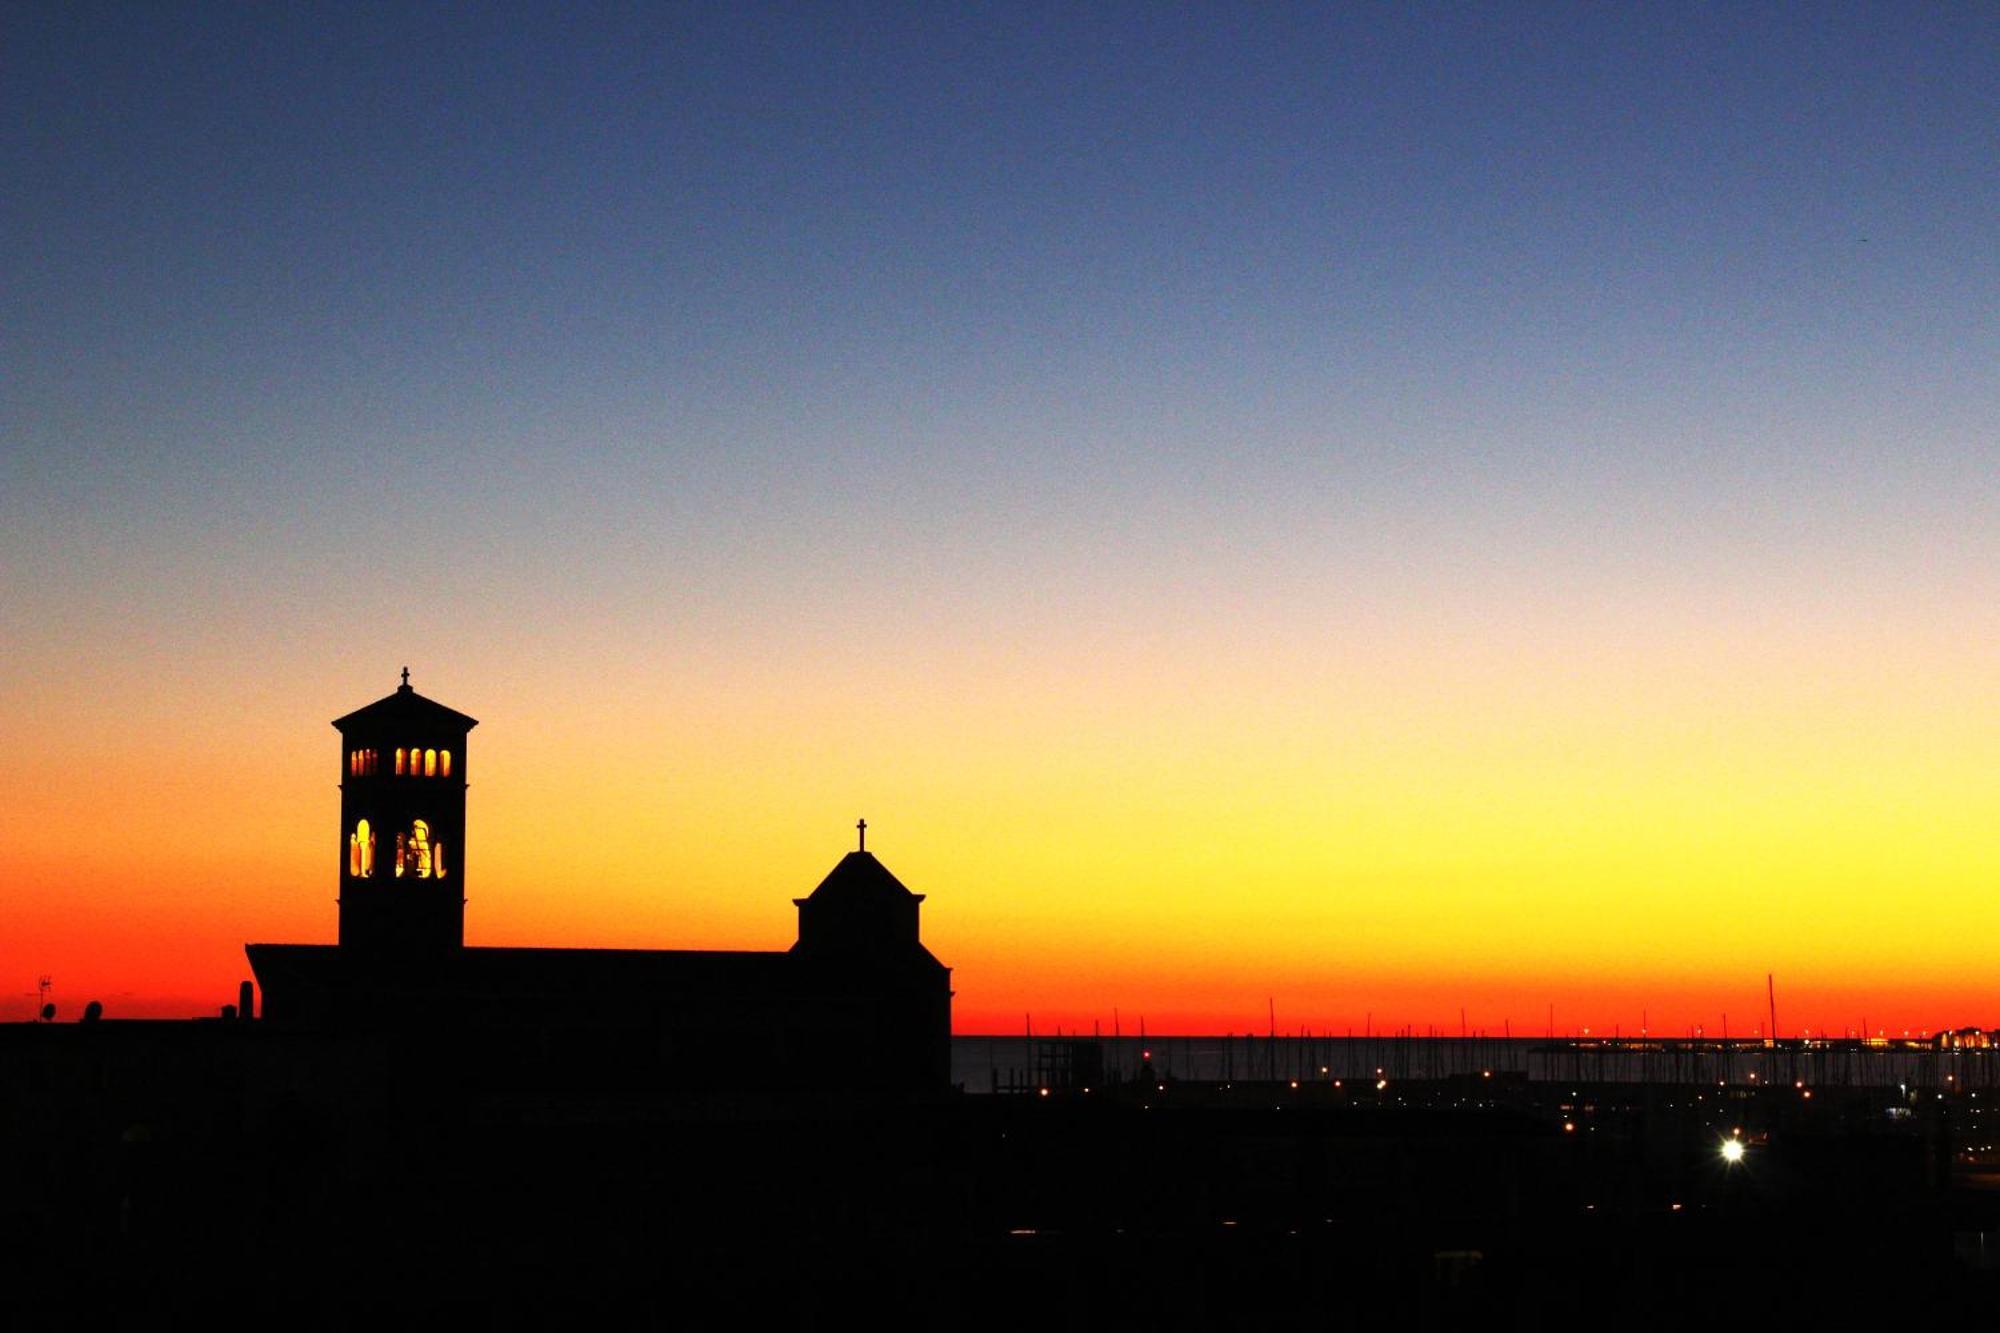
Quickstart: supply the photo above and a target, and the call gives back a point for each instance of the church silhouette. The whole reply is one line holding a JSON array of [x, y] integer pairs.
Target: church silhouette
[[857, 1001]]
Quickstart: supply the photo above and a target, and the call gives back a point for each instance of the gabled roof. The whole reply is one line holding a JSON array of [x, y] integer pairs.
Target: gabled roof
[[860, 878], [406, 706]]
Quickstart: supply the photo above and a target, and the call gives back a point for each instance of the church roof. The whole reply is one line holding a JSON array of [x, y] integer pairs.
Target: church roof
[[531, 971], [584, 975], [860, 879], [708, 971], [406, 706]]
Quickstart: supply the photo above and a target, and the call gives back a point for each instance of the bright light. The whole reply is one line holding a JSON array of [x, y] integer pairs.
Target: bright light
[[1732, 1150]]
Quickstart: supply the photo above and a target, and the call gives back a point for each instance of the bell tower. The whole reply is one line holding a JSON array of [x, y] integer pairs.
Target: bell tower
[[403, 771]]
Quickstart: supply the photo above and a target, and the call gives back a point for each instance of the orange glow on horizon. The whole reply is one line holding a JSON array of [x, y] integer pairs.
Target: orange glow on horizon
[[1092, 859]]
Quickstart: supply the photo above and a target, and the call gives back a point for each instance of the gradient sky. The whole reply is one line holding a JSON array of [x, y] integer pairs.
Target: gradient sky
[[1382, 509]]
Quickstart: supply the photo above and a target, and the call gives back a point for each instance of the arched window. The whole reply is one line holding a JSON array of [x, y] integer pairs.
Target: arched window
[[399, 761], [417, 852], [399, 854], [444, 762], [430, 763], [361, 851], [437, 861]]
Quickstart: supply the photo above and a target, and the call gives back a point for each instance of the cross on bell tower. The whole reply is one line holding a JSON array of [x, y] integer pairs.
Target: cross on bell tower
[[861, 830]]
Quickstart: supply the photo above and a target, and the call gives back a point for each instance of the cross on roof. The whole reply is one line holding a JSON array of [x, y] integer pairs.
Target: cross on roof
[[861, 827], [406, 678]]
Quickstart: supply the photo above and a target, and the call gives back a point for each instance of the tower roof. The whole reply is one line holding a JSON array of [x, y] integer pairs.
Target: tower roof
[[405, 707], [860, 879]]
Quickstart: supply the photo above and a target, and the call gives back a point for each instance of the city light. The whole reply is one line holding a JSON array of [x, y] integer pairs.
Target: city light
[[1732, 1150]]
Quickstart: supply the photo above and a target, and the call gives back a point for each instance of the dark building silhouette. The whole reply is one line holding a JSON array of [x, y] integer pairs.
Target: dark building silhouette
[[857, 1001], [402, 827]]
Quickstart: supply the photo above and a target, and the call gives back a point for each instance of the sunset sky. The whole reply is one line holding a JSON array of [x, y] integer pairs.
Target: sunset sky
[[1374, 509]]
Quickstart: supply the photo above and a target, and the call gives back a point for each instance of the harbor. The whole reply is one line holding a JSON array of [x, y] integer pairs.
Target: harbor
[[1955, 1062]]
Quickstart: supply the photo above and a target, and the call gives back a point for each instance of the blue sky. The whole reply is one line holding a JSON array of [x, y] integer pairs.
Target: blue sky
[[693, 214], [942, 298]]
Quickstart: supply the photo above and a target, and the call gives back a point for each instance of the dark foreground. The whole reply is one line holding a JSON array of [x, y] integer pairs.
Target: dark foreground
[[156, 1175]]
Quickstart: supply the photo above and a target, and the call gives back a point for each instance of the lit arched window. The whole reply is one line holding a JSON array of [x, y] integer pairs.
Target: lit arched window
[[430, 763], [417, 852], [399, 854], [399, 761], [444, 762], [361, 851], [437, 861]]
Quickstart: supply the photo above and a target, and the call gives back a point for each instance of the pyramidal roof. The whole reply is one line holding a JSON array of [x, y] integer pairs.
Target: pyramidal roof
[[406, 706], [861, 878]]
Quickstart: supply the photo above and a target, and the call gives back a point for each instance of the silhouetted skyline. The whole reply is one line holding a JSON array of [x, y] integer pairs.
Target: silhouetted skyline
[[856, 1002]]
